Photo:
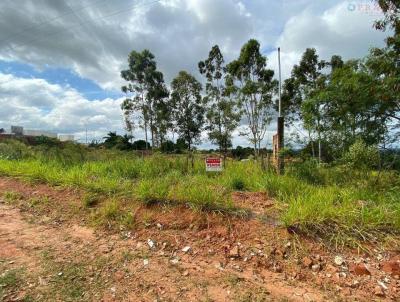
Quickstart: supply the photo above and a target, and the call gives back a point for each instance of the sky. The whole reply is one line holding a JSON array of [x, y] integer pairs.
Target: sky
[[60, 60]]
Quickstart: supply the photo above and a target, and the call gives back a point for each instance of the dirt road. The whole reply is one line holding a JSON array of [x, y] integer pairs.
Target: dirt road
[[48, 259]]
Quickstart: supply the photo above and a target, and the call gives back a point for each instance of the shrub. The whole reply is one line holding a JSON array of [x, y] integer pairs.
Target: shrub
[[361, 156], [14, 150], [308, 171], [238, 184]]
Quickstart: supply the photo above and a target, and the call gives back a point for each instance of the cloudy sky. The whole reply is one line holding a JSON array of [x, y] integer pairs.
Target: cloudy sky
[[60, 59]]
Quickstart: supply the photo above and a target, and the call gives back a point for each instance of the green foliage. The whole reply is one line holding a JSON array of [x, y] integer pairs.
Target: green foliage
[[318, 199], [147, 85], [238, 184], [14, 150], [12, 197], [187, 107], [222, 112], [361, 156], [253, 85], [90, 199], [9, 280]]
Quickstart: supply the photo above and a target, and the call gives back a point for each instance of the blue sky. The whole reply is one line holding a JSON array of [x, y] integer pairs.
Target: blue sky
[[60, 61], [62, 76]]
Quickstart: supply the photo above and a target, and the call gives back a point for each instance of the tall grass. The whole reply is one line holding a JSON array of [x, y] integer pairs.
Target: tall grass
[[314, 199]]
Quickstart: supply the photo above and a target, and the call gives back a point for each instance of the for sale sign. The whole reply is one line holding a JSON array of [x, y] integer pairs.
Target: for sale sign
[[213, 164]]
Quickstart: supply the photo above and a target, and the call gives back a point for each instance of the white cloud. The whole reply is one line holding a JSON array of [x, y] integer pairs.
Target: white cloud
[[95, 44], [335, 31], [37, 104]]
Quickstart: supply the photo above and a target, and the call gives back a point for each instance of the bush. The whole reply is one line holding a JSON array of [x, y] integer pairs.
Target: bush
[[238, 184], [308, 171], [14, 150], [361, 156]]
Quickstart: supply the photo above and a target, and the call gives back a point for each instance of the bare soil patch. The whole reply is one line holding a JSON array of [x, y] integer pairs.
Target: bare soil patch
[[175, 254]]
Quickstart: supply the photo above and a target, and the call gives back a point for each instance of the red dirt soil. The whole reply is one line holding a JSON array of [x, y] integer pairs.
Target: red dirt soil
[[228, 259]]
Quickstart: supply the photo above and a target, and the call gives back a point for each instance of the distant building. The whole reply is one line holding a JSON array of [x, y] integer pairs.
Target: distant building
[[17, 130], [66, 137], [20, 131]]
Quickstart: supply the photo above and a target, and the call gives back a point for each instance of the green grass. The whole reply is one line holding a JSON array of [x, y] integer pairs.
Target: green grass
[[9, 281], [329, 202], [12, 197]]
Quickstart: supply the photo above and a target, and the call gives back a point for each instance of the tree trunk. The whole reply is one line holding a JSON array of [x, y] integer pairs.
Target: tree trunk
[[145, 134], [312, 144]]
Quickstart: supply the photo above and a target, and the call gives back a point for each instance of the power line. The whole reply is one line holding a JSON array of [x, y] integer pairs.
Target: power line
[[27, 29], [88, 21]]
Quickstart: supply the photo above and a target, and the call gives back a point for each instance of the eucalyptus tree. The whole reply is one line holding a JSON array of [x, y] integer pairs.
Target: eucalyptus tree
[[146, 84], [254, 87], [222, 114], [187, 108]]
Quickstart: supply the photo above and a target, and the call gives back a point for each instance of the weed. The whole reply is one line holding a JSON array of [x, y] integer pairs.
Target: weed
[[9, 281], [233, 280], [90, 200], [38, 201], [238, 184], [12, 197]]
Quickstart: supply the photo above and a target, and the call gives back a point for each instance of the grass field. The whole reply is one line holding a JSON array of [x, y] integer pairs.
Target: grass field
[[330, 202]]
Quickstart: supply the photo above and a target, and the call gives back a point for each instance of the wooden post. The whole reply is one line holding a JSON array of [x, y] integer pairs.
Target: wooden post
[[281, 145]]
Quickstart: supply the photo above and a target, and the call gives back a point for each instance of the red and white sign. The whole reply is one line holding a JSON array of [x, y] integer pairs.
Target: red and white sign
[[213, 164]]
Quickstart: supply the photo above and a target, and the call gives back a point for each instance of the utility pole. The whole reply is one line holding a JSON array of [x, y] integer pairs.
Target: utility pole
[[281, 123]]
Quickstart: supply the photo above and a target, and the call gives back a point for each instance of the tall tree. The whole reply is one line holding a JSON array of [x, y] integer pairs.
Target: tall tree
[[222, 114], [391, 10], [301, 94], [158, 109], [147, 87], [384, 65], [253, 84], [351, 109], [187, 108]]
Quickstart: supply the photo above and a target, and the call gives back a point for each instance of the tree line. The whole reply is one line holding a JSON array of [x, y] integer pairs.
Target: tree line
[[336, 102]]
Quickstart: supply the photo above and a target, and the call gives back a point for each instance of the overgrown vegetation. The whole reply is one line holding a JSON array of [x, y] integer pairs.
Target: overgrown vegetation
[[351, 200]]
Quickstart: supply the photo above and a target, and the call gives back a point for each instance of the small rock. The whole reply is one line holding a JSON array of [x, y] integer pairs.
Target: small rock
[[339, 260], [307, 262], [383, 285], [151, 243], [159, 226], [355, 284], [331, 269], [234, 252], [145, 262], [185, 273], [391, 267], [316, 267], [174, 261], [378, 291], [219, 266], [60, 274], [186, 249], [360, 269]]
